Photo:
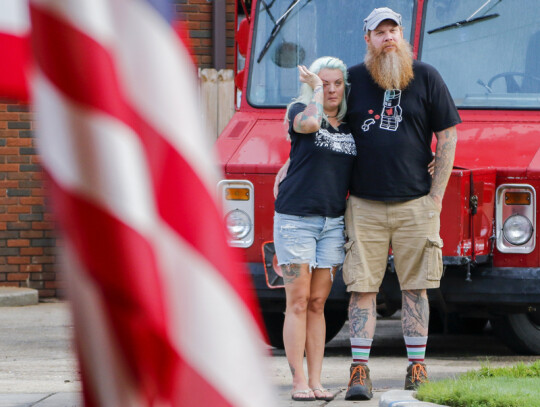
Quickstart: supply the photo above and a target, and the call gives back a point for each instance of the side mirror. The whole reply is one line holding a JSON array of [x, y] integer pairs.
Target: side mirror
[[241, 37], [288, 55]]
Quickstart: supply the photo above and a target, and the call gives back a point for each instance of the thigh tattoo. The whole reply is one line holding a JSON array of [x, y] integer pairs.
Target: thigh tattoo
[[290, 272]]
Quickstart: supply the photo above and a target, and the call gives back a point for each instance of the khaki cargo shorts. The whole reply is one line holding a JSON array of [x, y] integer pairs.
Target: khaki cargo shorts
[[411, 228]]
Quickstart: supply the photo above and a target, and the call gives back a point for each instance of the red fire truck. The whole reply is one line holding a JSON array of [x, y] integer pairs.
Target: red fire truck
[[488, 53]]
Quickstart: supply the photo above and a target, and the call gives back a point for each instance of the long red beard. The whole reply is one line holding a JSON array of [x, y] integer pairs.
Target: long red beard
[[391, 70]]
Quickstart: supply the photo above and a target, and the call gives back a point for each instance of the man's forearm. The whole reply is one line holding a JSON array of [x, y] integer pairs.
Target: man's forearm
[[444, 161]]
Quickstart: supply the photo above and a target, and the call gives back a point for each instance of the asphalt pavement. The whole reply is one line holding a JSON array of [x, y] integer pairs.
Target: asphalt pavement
[[38, 365]]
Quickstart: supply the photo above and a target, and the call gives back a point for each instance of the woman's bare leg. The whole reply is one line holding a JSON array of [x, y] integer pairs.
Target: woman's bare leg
[[321, 284], [297, 280]]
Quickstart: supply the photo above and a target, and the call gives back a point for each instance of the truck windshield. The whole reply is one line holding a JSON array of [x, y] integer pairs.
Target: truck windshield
[[491, 63], [291, 32]]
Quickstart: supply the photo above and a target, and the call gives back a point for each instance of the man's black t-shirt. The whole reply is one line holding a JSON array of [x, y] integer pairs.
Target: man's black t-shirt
[[319, 173], [393, 130]]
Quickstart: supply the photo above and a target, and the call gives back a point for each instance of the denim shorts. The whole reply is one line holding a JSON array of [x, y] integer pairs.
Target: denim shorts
[[314, 240]]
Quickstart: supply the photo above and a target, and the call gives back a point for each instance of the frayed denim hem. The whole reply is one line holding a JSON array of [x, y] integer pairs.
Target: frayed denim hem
[[312, 266]]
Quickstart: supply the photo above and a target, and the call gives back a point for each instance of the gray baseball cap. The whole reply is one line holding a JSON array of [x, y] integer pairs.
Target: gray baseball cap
[[379, 14]]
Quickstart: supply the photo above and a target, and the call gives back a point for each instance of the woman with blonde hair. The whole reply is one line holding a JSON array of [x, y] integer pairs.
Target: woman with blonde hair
[[308, 221]]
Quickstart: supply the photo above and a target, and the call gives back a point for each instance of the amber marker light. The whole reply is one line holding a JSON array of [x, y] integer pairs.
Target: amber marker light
[[517, 198], [237, 194]]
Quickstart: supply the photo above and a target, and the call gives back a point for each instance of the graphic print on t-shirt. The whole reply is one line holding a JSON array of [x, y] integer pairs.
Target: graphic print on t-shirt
[[338, 142], [391, 112]]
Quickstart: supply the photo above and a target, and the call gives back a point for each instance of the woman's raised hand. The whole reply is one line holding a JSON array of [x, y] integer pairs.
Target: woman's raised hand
[[306, 76]]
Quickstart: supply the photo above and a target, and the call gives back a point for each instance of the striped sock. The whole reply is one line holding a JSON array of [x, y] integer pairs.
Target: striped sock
[[360, 349], [416, 348]]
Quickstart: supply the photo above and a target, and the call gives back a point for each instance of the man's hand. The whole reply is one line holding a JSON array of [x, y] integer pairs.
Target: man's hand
[[438, 201], [280, 176], [431, 166]]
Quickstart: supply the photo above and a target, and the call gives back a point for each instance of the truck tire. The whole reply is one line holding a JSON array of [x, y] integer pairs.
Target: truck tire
[[334, 322], [520, 332], [273, 322], [455, 323], [386, 310], [471, 326]]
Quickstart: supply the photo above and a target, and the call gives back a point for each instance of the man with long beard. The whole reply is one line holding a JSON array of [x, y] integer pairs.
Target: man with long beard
[[394, 107]]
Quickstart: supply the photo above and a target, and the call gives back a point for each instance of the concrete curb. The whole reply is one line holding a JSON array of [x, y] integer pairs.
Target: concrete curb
[[18, 296], [403, 398]]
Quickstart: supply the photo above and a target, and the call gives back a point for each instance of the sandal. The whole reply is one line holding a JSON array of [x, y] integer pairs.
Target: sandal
[[296, 395], [323, 390]]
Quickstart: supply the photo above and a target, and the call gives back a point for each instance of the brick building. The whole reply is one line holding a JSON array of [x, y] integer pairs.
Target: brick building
[[28, 239], [210, 22], [27, 235]]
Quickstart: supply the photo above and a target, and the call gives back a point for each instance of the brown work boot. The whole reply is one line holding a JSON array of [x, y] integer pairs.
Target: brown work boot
[[416, 375], [360, 387]]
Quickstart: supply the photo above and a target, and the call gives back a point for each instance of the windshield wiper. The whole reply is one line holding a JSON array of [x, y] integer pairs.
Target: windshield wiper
[[469, 20], [277, 26], [463, 23]]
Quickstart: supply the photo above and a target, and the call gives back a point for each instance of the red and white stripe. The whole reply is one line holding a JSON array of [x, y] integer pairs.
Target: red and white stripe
[[163, 312], [14, 45], [416, 353]]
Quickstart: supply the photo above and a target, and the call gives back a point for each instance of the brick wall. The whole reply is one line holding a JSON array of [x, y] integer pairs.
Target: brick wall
[[197, 17], [27, 234]]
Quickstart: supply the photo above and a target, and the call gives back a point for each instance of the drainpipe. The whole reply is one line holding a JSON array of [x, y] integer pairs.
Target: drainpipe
[[219, 39]]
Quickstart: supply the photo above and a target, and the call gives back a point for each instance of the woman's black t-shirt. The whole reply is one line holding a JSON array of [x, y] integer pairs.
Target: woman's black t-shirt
[[319, 173]]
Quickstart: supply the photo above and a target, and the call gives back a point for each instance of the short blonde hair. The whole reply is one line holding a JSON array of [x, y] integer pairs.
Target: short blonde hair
[[306, 93]]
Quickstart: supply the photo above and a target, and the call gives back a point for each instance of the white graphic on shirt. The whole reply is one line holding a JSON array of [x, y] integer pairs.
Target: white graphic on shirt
[[367, 123], [391, 113], [338, 142]]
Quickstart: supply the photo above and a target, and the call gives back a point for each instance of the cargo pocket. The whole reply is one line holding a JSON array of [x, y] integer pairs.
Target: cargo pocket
[[350, 262], [433, 257]]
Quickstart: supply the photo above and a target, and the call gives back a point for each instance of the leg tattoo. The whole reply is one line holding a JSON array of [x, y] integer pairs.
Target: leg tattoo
[[415, 313], [359, 317], [293, 370], [290, 273]]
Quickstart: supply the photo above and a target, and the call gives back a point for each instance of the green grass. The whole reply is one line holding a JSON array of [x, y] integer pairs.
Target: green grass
[[515, 386]]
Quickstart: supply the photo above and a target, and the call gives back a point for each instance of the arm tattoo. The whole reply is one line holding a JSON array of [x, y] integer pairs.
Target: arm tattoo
[[312, 111], [415, 313], [444, 160], [290, 273], [359, 317]]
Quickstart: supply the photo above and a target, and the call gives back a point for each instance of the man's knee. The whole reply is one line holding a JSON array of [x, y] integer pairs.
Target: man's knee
[[358, 296], [416, 293]]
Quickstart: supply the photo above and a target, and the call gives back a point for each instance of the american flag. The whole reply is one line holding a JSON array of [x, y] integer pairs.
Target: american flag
[[162, 308]]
